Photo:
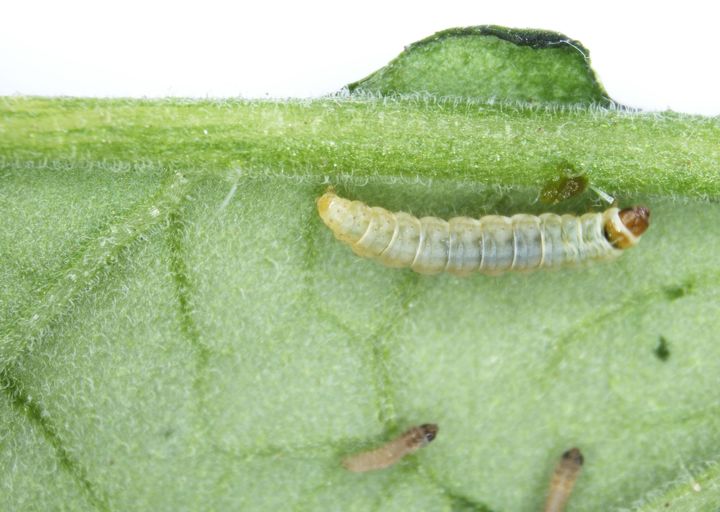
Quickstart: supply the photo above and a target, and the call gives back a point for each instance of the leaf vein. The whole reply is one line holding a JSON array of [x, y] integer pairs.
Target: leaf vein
[[37, 416]]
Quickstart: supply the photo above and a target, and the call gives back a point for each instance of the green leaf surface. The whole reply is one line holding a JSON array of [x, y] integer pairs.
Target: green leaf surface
[[493, 63], [179, 330]]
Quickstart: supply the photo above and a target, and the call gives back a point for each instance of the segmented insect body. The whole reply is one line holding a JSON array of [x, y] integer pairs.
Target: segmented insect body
[[390, 453], [563, 480], [491, 245]]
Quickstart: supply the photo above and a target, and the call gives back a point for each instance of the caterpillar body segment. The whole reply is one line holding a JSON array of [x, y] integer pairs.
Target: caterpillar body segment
[[390, 453], [563, 480], [492, 244]]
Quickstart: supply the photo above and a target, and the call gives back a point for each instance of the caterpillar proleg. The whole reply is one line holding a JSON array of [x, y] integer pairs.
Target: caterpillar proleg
[[491, 245], [391, 452], [563, 480]]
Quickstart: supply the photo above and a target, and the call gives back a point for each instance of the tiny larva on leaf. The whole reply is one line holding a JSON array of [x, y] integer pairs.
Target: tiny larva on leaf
[[391, 452], [491, 244], [563, 480]]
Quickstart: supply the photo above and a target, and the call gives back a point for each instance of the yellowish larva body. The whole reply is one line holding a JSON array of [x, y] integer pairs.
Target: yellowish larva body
[[490, 245], [390, 453], [563, 480]]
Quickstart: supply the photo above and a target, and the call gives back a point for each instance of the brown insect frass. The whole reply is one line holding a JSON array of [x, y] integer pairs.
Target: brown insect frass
[[392, 452], [563, 188]]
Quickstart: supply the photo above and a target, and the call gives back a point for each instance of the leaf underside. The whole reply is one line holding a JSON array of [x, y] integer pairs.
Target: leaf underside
[[180, 331]]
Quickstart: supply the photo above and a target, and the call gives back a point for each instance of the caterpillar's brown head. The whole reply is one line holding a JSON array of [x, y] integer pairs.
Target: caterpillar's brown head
[[429, 431], [623, 228], [636, 219], [573, 457]]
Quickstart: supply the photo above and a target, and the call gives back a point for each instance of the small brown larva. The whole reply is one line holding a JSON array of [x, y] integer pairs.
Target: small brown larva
[[563, 480], [391, 452], [491, 245]]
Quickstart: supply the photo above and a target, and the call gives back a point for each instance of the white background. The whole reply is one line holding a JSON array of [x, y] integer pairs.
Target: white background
[[646, 54]]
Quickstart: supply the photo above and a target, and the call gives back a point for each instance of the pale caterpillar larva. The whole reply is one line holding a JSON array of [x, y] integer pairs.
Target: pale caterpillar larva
[[391, 452], [491, 245], [563, 480]]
